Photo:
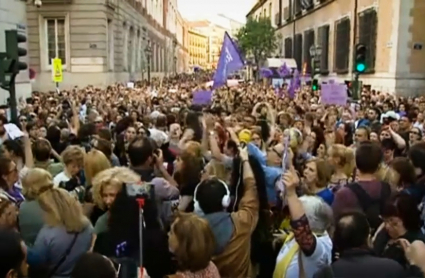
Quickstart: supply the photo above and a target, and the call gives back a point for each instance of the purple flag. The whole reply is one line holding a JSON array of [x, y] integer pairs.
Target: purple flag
[[284, 70], [202, 97], [230, 60], [295, 83], [266, 72]]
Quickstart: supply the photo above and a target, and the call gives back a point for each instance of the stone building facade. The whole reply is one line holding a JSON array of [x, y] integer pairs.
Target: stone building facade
[[99, 41], [393, 32]]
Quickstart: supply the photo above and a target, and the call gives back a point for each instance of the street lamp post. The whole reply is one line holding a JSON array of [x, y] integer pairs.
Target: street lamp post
[[175, 55], [148, 52], [315, 54]]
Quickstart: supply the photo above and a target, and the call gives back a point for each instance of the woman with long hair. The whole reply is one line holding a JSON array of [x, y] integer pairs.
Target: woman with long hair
[[30, 213], [66, 229], [193, 129], [341, 159], [94, 163], [192, 242], [316, 177], [188, 167]]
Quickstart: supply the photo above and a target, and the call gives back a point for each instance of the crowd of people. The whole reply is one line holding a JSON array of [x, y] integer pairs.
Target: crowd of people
[[139, 181]]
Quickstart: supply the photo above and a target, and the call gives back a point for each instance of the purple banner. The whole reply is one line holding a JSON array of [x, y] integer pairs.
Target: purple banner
[[202, 97], [334, 94]]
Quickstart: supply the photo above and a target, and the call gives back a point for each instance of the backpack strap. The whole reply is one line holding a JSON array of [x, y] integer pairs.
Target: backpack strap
[[362, 197]]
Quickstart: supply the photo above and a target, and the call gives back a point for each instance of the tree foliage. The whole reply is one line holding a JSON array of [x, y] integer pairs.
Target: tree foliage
[[257, 38]]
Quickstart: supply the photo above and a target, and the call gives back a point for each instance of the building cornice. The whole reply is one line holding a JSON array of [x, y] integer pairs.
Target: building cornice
[[257, 6]]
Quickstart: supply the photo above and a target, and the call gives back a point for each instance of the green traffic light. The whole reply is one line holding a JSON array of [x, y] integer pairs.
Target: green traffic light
[[360, 67], [314, 88]]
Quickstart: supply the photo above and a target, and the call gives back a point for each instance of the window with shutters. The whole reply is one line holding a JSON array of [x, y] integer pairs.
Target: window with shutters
[[342, 45], [368, 22], [297, 7], [298, 51], [323, 41], [290, 10], [288, 48], [308, 42]]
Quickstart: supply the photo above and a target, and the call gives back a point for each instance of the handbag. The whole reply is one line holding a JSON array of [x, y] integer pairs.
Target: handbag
[[43, 271]]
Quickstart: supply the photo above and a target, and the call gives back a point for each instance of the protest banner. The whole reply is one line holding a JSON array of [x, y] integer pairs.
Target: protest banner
[[202, 97], [334, 93]]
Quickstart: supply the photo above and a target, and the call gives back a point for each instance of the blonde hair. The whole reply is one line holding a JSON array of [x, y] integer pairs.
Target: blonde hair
[[345, 156], [193, 148], [95, 162], [388, 175], [196, 242], [72, 154], [59, 207], [217, 169], [37, 180], [116, 177]]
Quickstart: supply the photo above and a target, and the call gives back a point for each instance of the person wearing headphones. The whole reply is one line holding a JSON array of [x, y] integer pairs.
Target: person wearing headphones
[[232, 231]]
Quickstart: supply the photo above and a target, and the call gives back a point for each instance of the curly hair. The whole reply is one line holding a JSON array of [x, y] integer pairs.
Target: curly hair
[[116, 176]]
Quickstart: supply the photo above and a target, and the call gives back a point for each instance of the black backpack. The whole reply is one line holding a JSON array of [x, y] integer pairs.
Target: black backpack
[[371, 207]]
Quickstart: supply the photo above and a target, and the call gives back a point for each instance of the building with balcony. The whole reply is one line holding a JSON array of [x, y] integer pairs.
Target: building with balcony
[[98, 41], [198, 44], [215, 35], [183, 56], [392, 31], [13, 17], [177, 54]]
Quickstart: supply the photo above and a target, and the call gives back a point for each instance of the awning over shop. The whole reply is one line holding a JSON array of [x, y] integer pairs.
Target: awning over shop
[[278, 62]]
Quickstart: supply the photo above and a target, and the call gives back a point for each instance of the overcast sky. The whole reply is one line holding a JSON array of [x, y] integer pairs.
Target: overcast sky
[[205, 9]]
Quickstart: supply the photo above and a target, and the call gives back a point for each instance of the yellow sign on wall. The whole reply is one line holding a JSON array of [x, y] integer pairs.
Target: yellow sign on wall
[[57, 74]]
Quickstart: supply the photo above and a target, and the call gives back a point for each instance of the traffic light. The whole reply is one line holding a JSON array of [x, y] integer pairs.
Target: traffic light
[[315, 85], [360, 58], [10, 66], [14, 52]]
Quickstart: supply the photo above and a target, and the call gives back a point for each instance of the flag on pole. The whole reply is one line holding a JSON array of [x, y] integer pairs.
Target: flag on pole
[[230, 61], [284, 70], [266, 72], [295, 84]]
